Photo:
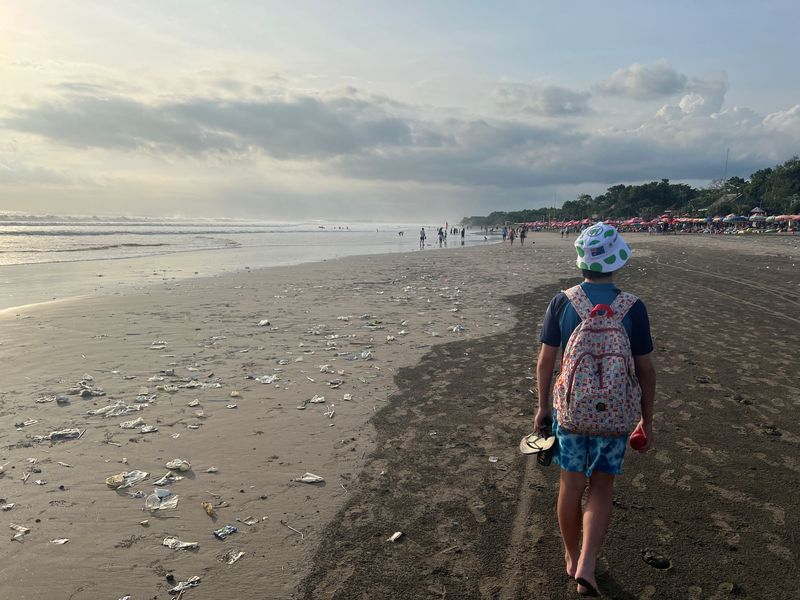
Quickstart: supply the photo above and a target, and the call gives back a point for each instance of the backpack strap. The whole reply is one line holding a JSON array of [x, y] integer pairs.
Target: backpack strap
[[622, 304], [580, 301]]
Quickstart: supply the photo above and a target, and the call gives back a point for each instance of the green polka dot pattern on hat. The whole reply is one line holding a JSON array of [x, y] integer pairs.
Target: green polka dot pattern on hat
[[600, 248]]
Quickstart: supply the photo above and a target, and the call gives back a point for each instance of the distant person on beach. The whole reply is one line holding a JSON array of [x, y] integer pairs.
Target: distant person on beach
[[463, 229], [512, 234], [505, 233], [441, 236], [523, 233], [592, 458], [421, 238]]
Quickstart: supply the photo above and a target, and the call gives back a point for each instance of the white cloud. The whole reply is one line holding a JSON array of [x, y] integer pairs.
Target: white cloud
[[644, 82]]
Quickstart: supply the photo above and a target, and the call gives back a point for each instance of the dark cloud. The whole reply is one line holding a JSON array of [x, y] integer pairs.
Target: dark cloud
[[550, 101], [353, 135], [644, 82]]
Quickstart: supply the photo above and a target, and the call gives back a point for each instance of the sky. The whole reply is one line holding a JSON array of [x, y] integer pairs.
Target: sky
[[382, 110]]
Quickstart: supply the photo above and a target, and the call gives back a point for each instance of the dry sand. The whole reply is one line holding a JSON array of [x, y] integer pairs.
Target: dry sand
[[410, 450]]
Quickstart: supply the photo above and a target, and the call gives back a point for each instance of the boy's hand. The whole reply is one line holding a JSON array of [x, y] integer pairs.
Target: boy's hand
[[648, 439], [542, 419]]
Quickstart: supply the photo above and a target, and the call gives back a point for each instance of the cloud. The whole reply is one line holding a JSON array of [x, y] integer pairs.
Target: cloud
[[345, 134], [550, 101], [644, 82], [16, 173]]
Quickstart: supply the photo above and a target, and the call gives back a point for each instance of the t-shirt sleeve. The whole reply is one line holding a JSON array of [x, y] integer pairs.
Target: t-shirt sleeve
[[641, 342], [551, 330]]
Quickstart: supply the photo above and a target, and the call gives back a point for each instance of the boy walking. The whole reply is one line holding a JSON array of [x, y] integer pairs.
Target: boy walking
[[597, 401]]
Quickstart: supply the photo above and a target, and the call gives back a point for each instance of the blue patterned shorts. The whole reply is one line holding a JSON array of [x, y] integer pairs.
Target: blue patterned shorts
[[589, 453]]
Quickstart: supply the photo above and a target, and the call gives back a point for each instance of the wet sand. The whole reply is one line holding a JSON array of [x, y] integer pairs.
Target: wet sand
[[409, 451]]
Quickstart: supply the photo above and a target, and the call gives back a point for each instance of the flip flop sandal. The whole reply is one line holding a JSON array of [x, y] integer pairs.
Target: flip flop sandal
[[535, 443], [590, 589]]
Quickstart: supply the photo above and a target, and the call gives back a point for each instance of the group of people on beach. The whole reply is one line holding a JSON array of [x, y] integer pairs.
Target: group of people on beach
[[441, 234], [512, 233]]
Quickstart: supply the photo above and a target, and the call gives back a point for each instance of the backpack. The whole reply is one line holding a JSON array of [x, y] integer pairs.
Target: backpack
[[596, 392]]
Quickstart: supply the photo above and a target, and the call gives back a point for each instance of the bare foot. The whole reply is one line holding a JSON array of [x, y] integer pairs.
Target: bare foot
[[572, 564]]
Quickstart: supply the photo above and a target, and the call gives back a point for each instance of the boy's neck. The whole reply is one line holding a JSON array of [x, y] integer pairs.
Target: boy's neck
[[609, 279]]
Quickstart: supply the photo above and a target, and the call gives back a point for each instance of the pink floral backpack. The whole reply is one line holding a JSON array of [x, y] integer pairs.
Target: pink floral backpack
[[596, 392]]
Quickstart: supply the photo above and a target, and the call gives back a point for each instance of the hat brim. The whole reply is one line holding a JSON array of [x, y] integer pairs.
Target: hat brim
[[535, 443]]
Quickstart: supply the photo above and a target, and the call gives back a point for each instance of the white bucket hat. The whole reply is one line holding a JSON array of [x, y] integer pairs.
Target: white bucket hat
[[601, 248]]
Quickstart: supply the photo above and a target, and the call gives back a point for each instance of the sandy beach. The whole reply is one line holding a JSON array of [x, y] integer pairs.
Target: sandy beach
[[425, 364]]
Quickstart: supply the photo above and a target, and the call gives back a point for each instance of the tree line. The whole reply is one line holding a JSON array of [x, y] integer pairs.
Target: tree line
[[776, 189]]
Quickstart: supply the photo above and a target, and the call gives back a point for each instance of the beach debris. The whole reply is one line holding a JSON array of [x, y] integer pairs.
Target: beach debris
[[62, 399], [232, 406], [126, 479], [120, 409], [161, 499], [390, 338], [209, 508], [185, 585], [402, 332], [3, 469], [326, 369], [264, 323], [224, 532], [175, 436], [25, 423], [330, 412], [174, 543], [179, 464], [250, 521], [59, 541], [63, 464], [366, 355], [493, 459], [309, 478], [285, 524], [168, 479], [317, 399], [148, 429], [145, 399], [303, 405], [335, 383], [133, 424], [267, 379], [457, 328], [194, 403], [395, 536], [21, 531], [145, 523], [40, 482], [158, 345], [231, 556], [61, 435], [235, 394], [7, 507], [347, 397], [45, 399], [212, 470]]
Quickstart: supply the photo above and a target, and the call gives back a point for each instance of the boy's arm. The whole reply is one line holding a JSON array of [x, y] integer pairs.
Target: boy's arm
[[544, 377], [646, 374]]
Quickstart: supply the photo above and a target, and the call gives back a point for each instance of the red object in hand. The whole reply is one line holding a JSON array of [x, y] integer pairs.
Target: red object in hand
[[638, 439]]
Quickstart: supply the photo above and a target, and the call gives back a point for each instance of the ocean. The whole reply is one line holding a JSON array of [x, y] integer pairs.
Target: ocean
[[46, 258]]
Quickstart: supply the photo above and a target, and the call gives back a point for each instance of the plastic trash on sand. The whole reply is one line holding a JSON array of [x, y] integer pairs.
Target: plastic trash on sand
[[65, 434], [231, 556], [185, 585], [395, 536], [59, 541], [161, 499], [138, 422], [175, 544], [168, 478], [309, 478], [224, 532], [317, 399], [179, 464], [264, 323], [209, 508], [124, 480]]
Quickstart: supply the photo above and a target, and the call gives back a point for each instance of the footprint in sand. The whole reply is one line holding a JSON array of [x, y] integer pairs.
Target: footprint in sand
[[664, 532], [722, 522], [638, 482], [476, 508]]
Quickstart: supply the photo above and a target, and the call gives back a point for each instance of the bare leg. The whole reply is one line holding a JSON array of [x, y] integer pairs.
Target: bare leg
[[595, 524], [570, 492]]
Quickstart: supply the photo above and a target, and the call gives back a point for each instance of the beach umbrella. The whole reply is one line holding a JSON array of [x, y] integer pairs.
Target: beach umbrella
[[757, 211], [758, 217], [770, 218], [795, 217]]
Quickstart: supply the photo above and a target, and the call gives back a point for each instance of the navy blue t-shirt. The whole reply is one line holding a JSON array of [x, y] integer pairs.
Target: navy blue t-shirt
[[561, 319]]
